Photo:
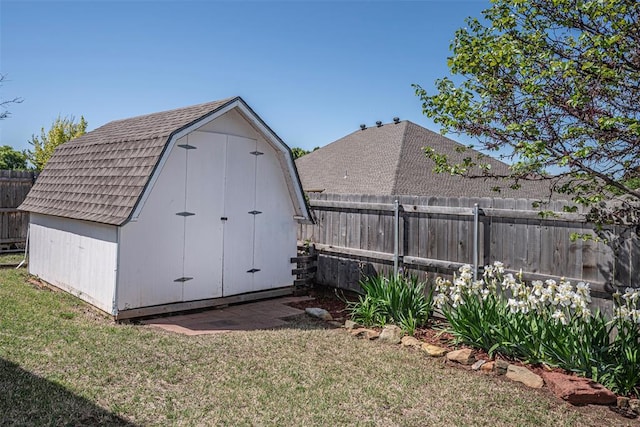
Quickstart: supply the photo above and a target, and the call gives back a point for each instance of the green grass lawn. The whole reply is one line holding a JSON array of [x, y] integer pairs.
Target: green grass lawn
[[11, 258], [61, 363]]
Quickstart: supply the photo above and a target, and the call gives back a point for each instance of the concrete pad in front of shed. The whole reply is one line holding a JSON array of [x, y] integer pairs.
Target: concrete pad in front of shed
[[242, 317]]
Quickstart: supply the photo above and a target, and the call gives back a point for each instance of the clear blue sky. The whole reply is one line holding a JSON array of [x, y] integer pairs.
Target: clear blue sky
[[312, 70]]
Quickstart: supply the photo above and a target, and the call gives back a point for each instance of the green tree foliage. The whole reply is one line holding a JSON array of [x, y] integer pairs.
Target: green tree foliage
[[61, 131], [552, 85], [298, 152], [11, 159]]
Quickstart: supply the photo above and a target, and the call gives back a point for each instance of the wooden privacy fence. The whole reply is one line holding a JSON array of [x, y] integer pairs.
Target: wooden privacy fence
[[14, 186], [354, 236]]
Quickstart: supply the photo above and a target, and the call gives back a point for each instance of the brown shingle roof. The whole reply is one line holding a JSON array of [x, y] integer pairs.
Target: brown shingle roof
[[101, 175], [390, 160]]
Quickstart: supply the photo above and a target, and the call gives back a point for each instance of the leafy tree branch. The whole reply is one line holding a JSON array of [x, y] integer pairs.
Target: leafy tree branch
[[552, 86], [63, 129]]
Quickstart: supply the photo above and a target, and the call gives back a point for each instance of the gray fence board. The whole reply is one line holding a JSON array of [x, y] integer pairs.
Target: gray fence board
[[14, 186], [436, 236]]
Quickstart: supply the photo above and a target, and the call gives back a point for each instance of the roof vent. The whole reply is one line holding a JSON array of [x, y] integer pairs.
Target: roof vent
[[363, 127], [396, 120], [379, 123]]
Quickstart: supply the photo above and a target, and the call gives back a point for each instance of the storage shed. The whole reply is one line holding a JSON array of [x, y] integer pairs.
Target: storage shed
[[169, 211]]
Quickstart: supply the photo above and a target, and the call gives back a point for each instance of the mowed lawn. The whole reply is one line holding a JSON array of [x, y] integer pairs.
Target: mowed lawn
[[62, 363]]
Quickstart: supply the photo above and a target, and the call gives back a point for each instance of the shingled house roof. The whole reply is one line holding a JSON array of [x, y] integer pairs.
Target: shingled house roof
[[390, 160], [101, 175]]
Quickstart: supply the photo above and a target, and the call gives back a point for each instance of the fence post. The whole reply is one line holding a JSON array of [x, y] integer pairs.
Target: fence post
[[396, 237], [476, 229]]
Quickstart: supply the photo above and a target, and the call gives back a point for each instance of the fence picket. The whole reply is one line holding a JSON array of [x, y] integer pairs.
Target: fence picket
[[14, 186], [437, 235]]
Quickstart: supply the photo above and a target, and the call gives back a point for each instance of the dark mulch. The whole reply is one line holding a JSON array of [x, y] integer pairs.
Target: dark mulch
[[335, 301]]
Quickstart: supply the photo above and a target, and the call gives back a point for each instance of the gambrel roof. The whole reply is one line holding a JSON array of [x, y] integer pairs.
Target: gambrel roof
[[390, 160], [102, 175]]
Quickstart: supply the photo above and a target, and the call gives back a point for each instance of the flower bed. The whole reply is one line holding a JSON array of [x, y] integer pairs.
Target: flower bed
[[545, 322]]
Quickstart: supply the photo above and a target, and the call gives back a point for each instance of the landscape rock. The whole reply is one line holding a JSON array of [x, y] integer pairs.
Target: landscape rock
[[372, 335], [350, 324], [578, 390], [335, 324], [433, 350], [634, 405], [487, 367], [478, 364], [622, 402], [464, 356], [524, 376], [391, 334], [409, 341], [368, 334], [318, 312], [501, 367]]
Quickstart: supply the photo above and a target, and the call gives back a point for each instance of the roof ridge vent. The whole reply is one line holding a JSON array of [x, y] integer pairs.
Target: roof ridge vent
[[396, 120], [379, 123], [363, 127]]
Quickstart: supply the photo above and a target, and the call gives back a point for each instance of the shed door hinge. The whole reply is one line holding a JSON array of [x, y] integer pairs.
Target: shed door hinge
[[255, 212], [183, 279], [187, 146], [185, 214], [257, 153], [253, 270]]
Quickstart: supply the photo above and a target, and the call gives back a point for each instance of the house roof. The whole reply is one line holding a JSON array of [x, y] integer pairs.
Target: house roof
[[390, 160], [102, 175]]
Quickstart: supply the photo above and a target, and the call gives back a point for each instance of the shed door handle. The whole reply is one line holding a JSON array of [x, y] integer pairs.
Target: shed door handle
[[223, 218]]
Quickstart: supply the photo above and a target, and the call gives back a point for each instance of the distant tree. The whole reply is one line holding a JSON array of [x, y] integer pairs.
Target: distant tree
[[298, 152], [552, 85], [4, 103], [11, 159], [62, 130]]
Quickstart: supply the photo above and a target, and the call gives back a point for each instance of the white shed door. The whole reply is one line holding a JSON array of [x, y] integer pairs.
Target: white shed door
[[240, 211], [204, 208], [237, 226], [274, 236], [219, 216]]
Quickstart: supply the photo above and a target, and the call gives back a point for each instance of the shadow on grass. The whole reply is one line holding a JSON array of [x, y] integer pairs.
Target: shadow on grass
[[27, 399], [304, 322]]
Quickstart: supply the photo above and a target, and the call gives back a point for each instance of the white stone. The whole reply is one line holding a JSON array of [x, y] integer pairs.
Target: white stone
[[524, 376], [320, 313], [391, 334]]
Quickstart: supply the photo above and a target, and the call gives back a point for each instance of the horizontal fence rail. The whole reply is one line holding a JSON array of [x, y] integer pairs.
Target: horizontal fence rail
[[355, 236]]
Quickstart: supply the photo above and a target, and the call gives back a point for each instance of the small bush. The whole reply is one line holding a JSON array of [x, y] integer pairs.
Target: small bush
[[392, 300]]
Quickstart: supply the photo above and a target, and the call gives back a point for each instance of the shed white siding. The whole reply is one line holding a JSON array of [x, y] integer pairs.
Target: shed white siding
[[77, 256], [195, 236], [151, 247]]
